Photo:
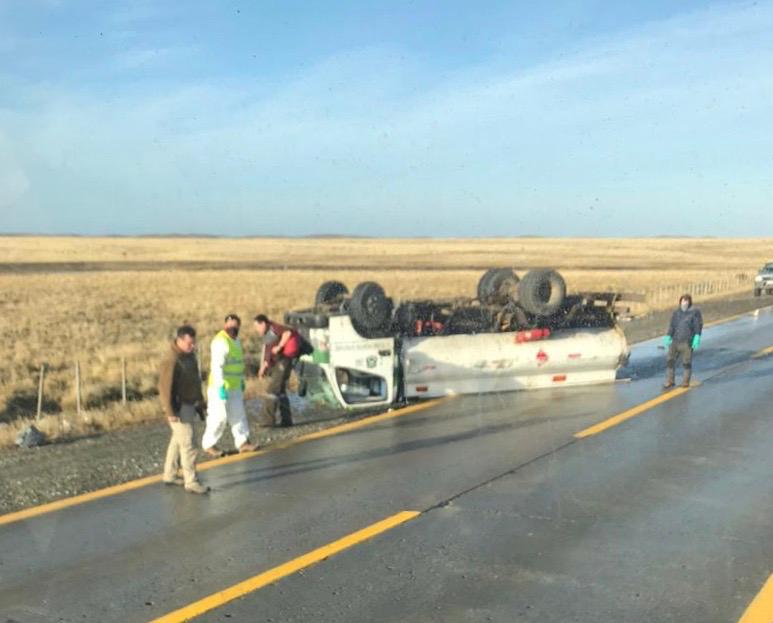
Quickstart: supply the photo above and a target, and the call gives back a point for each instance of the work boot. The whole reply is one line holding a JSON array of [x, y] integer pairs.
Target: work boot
[[175, 481], [214, 452], [669, 378], [247, 447], [686, 378], [197, 488]]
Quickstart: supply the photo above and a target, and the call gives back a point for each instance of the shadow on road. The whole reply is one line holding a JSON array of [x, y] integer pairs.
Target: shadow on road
[[269, 472]]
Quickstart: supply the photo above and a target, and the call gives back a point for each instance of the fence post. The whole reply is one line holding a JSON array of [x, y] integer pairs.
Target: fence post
[[78, 387], [123, 380], [40, 391]]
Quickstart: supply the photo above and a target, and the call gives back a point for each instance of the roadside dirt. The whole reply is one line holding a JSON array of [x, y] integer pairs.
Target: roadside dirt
[[40, 475]]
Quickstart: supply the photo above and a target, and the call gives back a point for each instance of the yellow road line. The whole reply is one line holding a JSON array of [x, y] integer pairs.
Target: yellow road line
[[763, 352], [50, 507], [761, 609], [630, 413], [34, 511], [277, 573]]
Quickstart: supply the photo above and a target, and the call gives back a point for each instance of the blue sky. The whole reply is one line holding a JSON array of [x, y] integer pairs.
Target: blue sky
[[446, 118]]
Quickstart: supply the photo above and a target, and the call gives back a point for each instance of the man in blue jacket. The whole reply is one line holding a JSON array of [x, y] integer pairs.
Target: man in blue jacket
[[684, 336]]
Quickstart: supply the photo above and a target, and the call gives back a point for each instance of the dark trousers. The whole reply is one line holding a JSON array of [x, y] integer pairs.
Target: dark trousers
[[276, 390], [683, 351]]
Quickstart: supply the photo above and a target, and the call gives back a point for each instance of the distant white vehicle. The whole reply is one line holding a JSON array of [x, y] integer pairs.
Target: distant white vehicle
[[515, 335], [763, 282]]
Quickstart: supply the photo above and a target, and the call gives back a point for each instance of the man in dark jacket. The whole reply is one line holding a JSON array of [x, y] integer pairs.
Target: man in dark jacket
[[282, 345], [684, 336], [179, 388]]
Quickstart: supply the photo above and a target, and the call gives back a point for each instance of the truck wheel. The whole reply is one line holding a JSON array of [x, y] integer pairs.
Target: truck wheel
[[757, 291], [498, 286], [330, 292], [370, 310], [483, 288], [542, 292]]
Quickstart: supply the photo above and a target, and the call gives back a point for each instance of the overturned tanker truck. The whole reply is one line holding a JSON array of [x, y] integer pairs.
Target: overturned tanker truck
[[515, 334]]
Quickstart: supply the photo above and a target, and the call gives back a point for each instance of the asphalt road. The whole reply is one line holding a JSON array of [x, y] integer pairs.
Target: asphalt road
[[664, 517]]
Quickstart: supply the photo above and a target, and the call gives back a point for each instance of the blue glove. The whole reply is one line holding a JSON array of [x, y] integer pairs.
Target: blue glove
[[696, 341], [223, 393], [667, 341]]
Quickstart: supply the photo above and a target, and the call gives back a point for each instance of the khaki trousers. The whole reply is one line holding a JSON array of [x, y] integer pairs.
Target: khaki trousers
[[182, 450]]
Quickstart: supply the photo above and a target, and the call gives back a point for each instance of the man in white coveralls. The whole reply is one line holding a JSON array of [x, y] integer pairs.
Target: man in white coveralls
[[225, 391]]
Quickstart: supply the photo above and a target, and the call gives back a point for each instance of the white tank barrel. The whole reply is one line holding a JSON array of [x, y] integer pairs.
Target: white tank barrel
[[491, 362]]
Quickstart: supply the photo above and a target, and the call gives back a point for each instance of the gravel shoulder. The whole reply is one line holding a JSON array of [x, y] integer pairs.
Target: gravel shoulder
[[40, 475]]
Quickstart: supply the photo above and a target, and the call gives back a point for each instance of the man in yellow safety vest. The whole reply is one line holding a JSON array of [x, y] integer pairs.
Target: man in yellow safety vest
[[225, 392]]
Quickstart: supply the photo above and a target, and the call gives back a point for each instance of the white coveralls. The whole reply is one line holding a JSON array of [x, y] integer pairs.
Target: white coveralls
[[221, 412]]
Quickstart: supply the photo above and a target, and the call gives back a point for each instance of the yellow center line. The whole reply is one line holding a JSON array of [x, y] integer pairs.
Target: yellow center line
[[633, 412], [57, 505], [761, 609], [762, 353], [257, 582]]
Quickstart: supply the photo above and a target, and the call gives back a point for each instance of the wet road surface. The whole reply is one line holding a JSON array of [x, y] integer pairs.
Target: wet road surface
[[663, 517]]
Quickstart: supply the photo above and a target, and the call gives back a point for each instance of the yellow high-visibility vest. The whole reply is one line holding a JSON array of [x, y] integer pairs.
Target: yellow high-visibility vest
[[233, 370]]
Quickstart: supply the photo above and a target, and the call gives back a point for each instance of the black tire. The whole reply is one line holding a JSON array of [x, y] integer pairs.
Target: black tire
[[757, 291], [483, 287], [542, 292], [498, 286], [469, 321], [307, 319], [370, 310], [330, 292]]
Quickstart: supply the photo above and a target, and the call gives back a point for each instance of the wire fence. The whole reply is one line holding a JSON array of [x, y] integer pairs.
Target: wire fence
[[88, 384], [666, 296], [77, 387]]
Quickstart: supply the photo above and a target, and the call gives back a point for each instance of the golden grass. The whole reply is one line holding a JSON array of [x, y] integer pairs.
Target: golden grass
[[598, 254], [99, 317]]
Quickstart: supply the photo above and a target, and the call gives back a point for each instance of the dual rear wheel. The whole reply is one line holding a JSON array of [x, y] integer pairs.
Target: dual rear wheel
[[540, 292]]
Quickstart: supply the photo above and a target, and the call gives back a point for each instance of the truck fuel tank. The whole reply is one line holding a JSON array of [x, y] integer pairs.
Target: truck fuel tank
[[491, 362]]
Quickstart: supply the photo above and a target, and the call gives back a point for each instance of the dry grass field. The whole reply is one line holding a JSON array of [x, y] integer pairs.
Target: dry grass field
[[55, 317], [669, 254]]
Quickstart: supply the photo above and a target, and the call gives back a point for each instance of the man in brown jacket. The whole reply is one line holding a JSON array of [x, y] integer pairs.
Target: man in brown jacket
[[179, 387]]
